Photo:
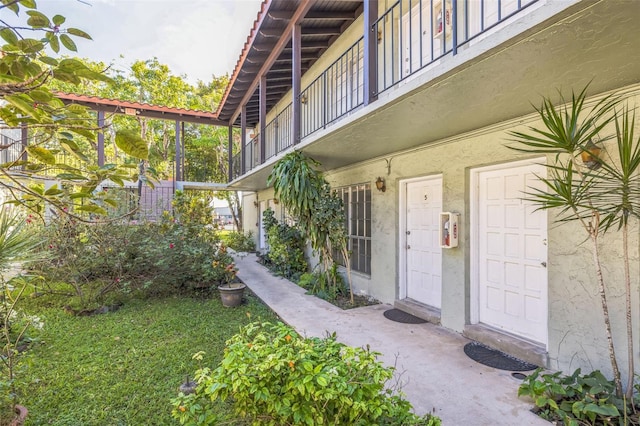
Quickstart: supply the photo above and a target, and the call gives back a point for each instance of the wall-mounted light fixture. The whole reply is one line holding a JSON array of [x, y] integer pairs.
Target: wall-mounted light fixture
[[276, 201], [255, 204], [591, 156], [379, 36], [304, 99], [380, 184]]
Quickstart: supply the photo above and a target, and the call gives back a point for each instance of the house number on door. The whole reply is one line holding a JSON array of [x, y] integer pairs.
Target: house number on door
[[426, 197]]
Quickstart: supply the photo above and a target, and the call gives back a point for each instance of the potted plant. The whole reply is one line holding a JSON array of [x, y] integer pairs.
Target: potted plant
[[224, 270], [231, 290]]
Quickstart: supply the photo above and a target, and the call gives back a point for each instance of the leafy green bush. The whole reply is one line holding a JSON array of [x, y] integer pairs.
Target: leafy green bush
[[239, 241], [273, 376], [579, 399], [286, 247], [327, 286], [167, 257]]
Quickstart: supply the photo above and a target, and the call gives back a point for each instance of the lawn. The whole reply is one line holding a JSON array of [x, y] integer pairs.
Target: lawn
[[123, 367]]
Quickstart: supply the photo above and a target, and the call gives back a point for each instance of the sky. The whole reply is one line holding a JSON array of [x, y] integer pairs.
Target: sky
[[195, 38]]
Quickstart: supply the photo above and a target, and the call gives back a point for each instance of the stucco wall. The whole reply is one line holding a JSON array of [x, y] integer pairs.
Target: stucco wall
[[576, 330]]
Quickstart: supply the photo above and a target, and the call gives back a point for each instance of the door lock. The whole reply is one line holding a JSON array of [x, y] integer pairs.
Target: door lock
[[544, 264]]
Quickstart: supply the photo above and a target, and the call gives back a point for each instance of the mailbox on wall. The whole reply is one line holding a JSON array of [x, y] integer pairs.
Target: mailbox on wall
[[449, 229]]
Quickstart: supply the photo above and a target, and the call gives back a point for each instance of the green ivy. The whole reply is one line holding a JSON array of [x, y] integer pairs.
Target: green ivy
[[273, 376]]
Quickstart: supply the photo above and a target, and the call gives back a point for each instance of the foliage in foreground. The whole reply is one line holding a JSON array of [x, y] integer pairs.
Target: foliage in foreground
[[273, 376], [121, 368], [579, 399]]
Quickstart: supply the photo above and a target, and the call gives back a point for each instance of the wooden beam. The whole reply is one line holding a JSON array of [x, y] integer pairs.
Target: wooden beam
[[331, 16], [370, 49], [296, 74], [303, 8], [280, 15], [308, 31]]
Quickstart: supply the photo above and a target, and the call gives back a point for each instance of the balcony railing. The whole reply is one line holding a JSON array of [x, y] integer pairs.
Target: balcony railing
[[336, 92], [411, 35]]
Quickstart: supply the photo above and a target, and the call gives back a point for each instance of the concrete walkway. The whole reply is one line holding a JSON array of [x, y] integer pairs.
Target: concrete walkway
[[435, 374]]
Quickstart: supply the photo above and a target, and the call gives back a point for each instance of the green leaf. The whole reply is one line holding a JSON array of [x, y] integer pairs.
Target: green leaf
[[68, 42], [71, 176], [58, 20], [29, 45], [9, 35], [49, 60], [132, 144], [21, 103], [92, 208], [40, 95], [42, 154], [54, 190], [29, 4], [38, 19], [54, 43], [78, 33]]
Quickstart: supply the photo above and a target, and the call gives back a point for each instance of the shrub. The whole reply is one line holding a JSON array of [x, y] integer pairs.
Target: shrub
[[286, 247], [239, 241], [318, 284], [579, 399], [271, 375], [154, 258]]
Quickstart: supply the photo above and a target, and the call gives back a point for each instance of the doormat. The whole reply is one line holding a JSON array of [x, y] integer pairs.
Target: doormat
[[400, 316], [496, 359]]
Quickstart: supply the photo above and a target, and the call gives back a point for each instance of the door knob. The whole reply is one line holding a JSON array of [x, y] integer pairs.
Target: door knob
[[544, 264]]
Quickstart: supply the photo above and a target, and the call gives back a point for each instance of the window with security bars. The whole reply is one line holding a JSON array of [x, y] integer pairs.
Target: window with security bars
[[357, 216]]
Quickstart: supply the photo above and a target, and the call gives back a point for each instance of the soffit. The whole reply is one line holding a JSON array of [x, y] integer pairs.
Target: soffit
[[320, 27]]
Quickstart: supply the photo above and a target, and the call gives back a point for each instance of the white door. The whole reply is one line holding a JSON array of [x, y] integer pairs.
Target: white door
[[262, 232], [423, 253], [512, 252]]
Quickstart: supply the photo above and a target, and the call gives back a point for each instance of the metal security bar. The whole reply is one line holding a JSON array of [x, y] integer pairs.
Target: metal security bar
[[413, 34]]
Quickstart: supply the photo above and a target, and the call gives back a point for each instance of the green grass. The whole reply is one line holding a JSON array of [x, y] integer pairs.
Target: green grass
[[123, 367]]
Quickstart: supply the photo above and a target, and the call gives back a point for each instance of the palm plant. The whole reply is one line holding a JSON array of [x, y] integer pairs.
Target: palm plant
[[318, 211], [601, 193], [19, 243]]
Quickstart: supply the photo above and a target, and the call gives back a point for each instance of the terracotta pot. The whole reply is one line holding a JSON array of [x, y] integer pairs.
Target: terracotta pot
[[21, 415], [231, 294]]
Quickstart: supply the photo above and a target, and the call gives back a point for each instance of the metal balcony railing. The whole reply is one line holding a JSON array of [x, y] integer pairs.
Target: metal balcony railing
[[411, 35], [336, 92]]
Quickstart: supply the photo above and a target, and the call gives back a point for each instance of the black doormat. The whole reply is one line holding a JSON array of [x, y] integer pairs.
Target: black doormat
[[496, 359], [400, 316]]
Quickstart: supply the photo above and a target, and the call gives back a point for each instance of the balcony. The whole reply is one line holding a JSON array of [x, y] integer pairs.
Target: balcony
[[440, 68]]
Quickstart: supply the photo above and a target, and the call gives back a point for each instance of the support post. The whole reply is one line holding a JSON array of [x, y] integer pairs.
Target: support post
[[230, 153], [370, 50], [243, 138], [100, 139], [24, 140], [263, 117], [296, 43], [178, 153]]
